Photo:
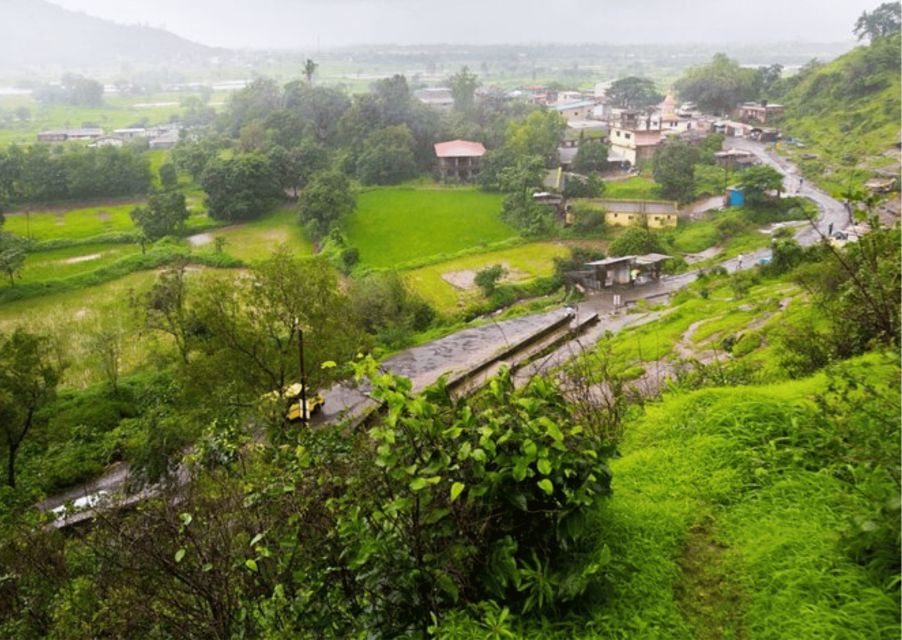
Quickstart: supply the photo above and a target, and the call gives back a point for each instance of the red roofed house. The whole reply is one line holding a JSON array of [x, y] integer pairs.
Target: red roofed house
[[458, 160]]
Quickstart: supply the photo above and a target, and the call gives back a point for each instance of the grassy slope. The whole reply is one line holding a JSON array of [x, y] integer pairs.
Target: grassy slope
[[635, 188], [62, 263], [722, 460], [850, 106], [393, 226]]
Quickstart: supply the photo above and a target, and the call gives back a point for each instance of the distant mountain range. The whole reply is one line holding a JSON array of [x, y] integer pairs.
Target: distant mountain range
[[36, 34]]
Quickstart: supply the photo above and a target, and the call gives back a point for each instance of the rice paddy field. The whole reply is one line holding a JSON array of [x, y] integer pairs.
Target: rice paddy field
[[396, 226]]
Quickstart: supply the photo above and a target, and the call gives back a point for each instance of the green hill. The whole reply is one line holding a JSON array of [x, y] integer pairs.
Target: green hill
[[847, 113]]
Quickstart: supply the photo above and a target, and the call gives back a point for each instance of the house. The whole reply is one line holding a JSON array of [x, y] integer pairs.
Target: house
[[581, 110], [130, 133], [647, 213], [458, 160], [734, 158], [166, 140], [627, 270], [732, 129], [764, 134], [634, 145], [759, 111], [107, 141], [62, 135], [436, 97]]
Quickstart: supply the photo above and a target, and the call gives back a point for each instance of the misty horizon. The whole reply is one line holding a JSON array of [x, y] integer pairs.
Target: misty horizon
[[316, 24]]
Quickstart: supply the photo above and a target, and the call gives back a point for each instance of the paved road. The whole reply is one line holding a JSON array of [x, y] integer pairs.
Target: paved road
[[467, 348]]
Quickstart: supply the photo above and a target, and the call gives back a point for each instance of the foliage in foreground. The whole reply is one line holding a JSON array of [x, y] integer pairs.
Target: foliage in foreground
[[441, 503]]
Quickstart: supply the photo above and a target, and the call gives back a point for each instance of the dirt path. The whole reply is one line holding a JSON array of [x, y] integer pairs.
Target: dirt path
[[709, 600]]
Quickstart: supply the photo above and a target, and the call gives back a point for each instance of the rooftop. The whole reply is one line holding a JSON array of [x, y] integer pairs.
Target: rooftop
[[459, 149], [574, 105]]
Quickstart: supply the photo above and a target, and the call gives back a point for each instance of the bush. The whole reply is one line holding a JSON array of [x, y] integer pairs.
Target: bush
[[636, 241], [487, 279]]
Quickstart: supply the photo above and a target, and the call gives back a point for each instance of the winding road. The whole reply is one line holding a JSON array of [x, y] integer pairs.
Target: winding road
[[468, 348]]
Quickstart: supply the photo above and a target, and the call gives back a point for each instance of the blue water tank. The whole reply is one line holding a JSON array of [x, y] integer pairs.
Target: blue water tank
[[736, 197]]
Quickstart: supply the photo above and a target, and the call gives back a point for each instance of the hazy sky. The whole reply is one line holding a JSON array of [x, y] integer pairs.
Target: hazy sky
[[304, 23]]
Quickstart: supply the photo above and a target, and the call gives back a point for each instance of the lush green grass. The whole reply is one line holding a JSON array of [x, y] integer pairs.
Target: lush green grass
[[85, 222], [694, 236], [738, 467], [635, 188], [393, 226], [847, 114], [62, 263], [257, 240], [526, 261]]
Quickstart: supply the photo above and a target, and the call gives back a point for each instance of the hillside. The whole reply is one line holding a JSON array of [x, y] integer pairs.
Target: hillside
[[38, 34], [847, 113]]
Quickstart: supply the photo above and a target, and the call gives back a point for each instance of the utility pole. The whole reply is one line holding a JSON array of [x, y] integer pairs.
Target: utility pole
[[303, 371]]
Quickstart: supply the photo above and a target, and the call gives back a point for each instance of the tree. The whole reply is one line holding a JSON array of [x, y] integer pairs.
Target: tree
[[463, 89], [310, 68], [105, 335], [539, 134], [165, 308], [164, 214], [757, 181], [325, 202], [387, 157], [13, 250], [29, 374], [636, 241], [169, 177], [240, 188], [673, 169], [720, 85], [883, 21], [591, 156], [252, 325], [633, 93], [384, 305], [487, 279], [581, 187]]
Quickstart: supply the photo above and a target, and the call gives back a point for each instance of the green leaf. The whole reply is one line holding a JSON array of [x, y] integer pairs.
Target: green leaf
[[179, 555], [456, 490], [418, 484], [251, 564], [186, 519], [208, 566], [257, 538], [328, 364], [546, 486], [544, 466]]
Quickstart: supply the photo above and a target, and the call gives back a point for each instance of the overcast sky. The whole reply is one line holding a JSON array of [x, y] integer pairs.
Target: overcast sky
[[306, 23]]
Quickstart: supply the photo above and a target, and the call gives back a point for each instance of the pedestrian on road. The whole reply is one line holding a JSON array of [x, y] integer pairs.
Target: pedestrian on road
[[830, 230], [739, 261], [801, 180]]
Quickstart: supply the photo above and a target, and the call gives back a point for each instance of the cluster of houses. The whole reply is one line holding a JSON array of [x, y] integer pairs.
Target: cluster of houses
[[163, 136]]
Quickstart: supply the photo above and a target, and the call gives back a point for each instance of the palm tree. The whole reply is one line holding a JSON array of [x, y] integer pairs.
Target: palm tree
[[310, 68]]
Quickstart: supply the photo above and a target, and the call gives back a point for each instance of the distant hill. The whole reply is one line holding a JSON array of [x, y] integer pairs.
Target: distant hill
[[36, 34], [848, 114]]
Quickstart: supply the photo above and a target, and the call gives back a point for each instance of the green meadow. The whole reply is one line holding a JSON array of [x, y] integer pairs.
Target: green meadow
[[394, 226]]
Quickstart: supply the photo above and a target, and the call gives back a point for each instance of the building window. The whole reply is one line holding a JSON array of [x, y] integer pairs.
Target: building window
[[627, 136]]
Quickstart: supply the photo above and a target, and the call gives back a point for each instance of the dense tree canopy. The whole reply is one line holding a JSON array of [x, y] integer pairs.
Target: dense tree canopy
[[73, 90], [387, 156], [883, 21], [463, 88], [673, 169], [757, 181], [326, 202], [720, 85], [240, 188], [164, 214], [633, 93]]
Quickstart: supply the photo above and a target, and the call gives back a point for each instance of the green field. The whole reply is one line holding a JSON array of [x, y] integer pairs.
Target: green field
[[525, 262], [257, 240], [636, 188], [70, 261], [86, 222], [394, 226]]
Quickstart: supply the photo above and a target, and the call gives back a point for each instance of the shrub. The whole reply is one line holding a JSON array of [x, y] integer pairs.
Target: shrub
[[487, 279]]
